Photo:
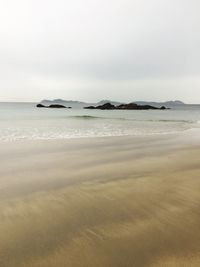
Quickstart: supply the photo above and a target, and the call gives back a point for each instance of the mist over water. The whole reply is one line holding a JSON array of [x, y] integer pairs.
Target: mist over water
[[20, 121]]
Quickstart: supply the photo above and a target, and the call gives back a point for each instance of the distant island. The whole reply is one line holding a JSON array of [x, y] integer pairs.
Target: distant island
[[109, 106], [78, 104], [130, 106]]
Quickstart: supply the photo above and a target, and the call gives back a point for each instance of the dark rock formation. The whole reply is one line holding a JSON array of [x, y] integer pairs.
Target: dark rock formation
[[163, 107], [40, 106], [130, 106], [106, 106], [134, 106], [90, 107], [127, 106], [51, 106], [56, 106]]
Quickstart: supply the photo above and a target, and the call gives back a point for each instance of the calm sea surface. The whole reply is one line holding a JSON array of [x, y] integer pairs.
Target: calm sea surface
[[24, 121]]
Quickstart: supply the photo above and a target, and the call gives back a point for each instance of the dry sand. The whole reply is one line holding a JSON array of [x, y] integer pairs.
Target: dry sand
[[106, 202]]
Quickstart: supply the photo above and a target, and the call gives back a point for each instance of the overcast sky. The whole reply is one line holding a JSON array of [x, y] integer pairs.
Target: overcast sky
[[100, 49]]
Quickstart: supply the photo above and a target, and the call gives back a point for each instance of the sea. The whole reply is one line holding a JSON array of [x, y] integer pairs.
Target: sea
[[24, 121]]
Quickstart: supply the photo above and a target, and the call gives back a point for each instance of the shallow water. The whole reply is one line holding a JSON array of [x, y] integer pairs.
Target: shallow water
[[25, 121]]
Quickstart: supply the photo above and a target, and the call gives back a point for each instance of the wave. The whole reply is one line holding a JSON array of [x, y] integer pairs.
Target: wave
[[176, 121], [86, 117], [89, 117]]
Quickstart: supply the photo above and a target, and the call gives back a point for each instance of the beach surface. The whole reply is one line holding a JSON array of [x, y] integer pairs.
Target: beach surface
[[103, 202]]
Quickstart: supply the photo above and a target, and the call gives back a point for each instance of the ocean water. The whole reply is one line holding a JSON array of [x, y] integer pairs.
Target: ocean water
[[20, 121]]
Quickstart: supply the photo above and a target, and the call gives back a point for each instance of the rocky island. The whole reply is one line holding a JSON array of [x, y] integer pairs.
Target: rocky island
[[51, 106], [130, 106], [177, 104]]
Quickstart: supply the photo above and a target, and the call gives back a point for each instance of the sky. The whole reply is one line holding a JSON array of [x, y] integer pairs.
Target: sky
[[90, 50]]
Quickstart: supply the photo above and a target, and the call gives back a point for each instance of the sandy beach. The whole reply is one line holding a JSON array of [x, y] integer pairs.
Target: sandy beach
[[100, 133], [103, 202]]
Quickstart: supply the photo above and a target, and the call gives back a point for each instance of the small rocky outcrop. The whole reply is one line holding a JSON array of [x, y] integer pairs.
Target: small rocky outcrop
[[90, 107], [50, 106], [107, 106], [56, 106], [40, 106]]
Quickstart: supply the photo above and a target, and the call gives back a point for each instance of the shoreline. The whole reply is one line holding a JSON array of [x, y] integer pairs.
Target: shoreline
[[183, 134]]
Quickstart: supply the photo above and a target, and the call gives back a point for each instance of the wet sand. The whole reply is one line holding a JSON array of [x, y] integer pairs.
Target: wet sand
[[106, 202]]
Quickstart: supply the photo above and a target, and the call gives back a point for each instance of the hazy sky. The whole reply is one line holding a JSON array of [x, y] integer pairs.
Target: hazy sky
[[100, 49]]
